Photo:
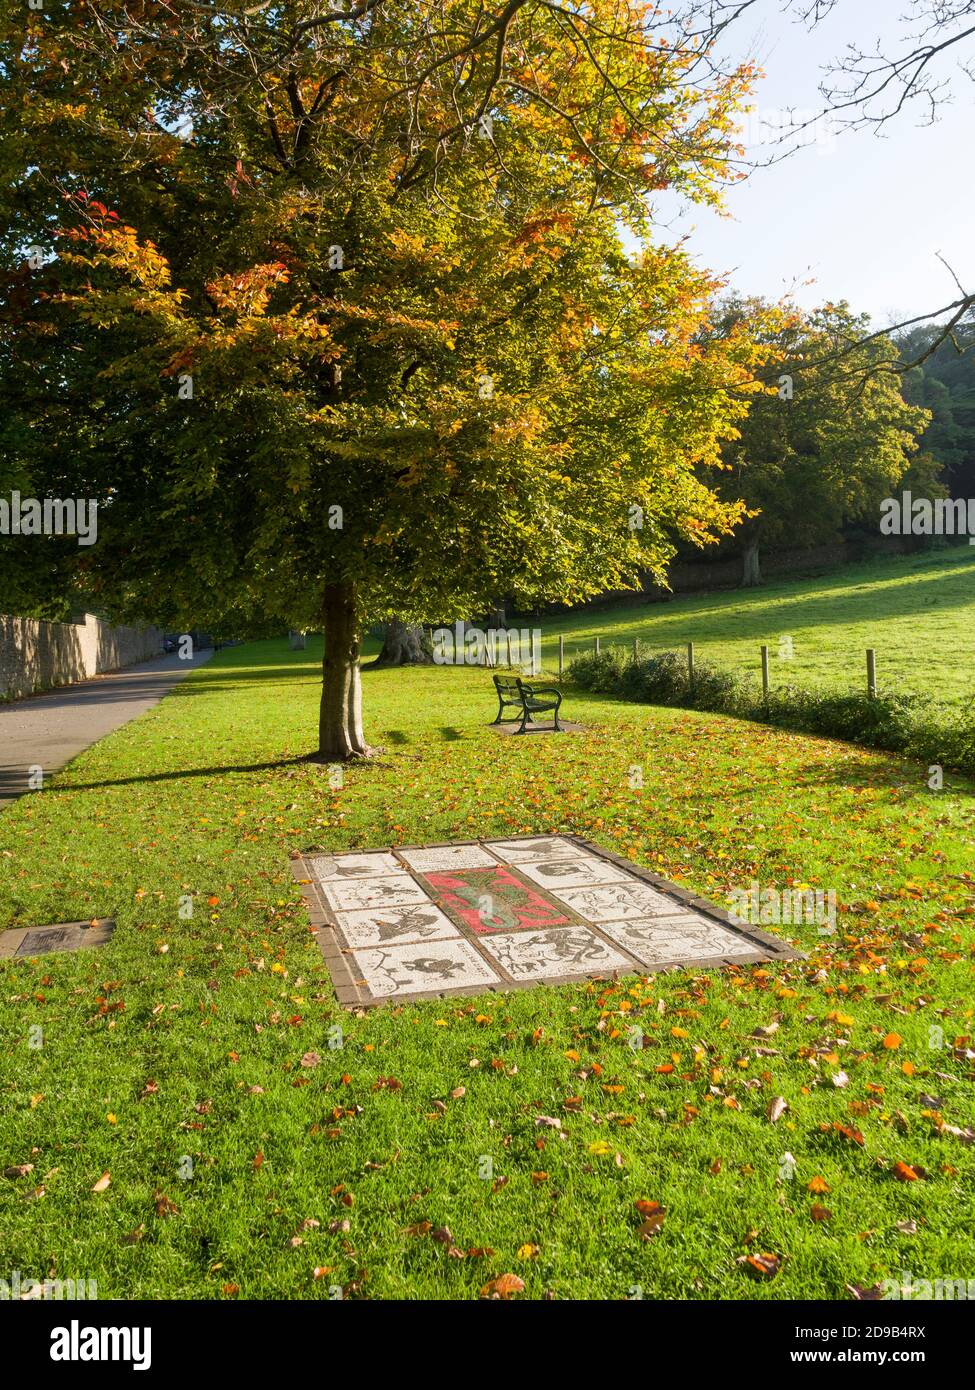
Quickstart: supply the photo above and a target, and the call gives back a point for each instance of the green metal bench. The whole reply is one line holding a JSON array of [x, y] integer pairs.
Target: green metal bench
[[530, 699]]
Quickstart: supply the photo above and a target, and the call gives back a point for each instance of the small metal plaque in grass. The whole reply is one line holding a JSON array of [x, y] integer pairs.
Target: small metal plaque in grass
[[59, 936], [425, 921]]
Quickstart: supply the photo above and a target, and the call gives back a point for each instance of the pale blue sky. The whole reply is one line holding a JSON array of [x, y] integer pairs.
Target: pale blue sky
[[864, 216]]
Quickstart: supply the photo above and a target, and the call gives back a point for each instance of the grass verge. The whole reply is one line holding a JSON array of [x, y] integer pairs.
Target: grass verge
[[173, 1059]]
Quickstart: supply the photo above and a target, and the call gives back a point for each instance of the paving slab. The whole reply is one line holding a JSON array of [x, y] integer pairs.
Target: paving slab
[[48, 730], [58, 936]]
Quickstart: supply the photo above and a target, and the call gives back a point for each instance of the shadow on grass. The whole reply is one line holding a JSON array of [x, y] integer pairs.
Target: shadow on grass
[[177, 775]]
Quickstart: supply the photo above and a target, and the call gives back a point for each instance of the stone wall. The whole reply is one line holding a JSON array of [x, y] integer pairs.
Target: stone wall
[[36, 655]]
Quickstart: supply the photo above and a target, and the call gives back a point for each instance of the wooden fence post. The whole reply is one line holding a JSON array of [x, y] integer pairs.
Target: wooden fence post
[[561, 654], [595, 645], [690, 664], [765, 672], [872, 673]]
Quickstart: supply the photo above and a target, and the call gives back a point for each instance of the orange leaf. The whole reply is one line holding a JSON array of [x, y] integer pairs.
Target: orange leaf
[[503, 1287]]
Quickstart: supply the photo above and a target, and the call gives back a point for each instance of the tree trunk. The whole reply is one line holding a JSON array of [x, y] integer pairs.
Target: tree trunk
[[404, 645], [340, 735], [751, 575]]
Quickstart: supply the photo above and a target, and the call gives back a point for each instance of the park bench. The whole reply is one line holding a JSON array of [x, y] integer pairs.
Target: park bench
[[530, 699]]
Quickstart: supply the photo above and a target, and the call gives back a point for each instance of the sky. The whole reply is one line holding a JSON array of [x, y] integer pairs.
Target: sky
[[862, 216]]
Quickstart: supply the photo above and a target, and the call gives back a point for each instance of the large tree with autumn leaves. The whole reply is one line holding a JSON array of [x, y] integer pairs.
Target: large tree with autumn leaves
[[334, 314]]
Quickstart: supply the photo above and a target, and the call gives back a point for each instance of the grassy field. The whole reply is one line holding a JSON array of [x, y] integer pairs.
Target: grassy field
[[171, 1060], [918, 612]]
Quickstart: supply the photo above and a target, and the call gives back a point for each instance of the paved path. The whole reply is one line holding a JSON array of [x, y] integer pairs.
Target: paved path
[[49, 730]]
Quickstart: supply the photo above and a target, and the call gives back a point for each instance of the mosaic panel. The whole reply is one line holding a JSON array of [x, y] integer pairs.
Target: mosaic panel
[[422, 921]]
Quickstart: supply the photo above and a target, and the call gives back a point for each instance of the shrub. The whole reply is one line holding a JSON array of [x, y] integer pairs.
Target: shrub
[[897, 723]]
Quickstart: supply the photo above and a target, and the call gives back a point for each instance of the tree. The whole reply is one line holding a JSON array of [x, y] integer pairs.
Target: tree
[[944, 384], [819, 448], [340, 300], [405, 644]]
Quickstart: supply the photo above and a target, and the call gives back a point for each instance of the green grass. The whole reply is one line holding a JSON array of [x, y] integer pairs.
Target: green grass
[[918, 612], [185, 1037]]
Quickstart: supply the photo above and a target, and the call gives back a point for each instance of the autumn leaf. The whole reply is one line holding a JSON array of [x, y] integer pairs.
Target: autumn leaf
[[164, 1207], [503, 1287], [103, 1182], [765, 1265], [647, 1208], [844, 1131]]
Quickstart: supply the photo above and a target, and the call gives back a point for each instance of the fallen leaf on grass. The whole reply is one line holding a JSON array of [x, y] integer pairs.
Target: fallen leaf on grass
[[651, 1226], [765, 1265], [819, 1213], [18, 1170], [103, 1182], [647, 1208], [164, 1207], [503, 1287], [777, 1109], [844, 1131], [903, 1172]]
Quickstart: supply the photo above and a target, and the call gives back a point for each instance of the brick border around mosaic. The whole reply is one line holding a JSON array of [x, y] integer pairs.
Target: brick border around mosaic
[[352, 993]]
